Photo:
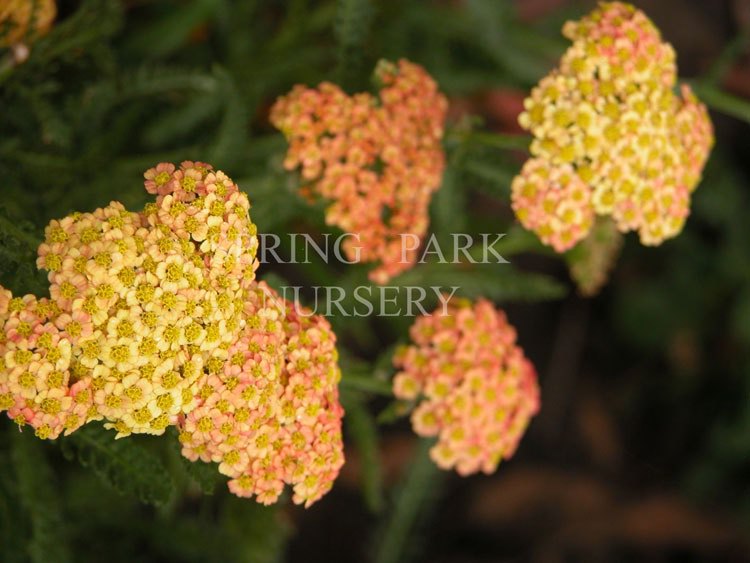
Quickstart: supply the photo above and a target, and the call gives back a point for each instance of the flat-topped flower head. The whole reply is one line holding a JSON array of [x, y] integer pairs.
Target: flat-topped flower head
[[23, 21], [610, 118], [377, 160], [471, 383], [156, 320], [144, 307], [271, 416], [38, 385]]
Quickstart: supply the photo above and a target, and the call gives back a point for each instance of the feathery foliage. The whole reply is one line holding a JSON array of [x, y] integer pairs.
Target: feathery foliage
[[127, 466], [39, 496]]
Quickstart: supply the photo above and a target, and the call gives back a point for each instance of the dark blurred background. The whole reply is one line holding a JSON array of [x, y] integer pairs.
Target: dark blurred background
[[641, 452]]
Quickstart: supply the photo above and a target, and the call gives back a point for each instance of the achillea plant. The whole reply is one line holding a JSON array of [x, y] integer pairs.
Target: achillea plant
[[142, 306], [272, 416], [158, 313], [610, 135], [473, 385], [377, 160], [22, 21]]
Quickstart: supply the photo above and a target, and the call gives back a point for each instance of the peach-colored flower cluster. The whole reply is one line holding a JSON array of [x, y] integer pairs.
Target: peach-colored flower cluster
[[25, 20], [37, 386], [148, 317], [272, 416], [475, 388], [610, 135], [377, 161]]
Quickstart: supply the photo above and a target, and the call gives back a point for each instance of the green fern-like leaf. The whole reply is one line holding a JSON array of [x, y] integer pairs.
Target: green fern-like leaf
[[54, 128], [196, 112], [257, 533], [94, 21], [18, 246], [205, 475], [495, 281], [228, 146], [15, 530], [38, 494], [167, 34], [353, 21], [125, 465], [359, 375], [107, 95]]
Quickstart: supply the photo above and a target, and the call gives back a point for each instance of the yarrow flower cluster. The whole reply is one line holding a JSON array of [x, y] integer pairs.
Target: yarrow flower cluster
[[610, 135], [148, 316], [272, 416], [25, 20], [377, 161], [475, 390]]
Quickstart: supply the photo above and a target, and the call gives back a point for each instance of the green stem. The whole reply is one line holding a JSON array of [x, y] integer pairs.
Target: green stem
[[416, 495], [723, 102], [726, 59], [503, 141], [356, 382], [362, 429], [500, 140]]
